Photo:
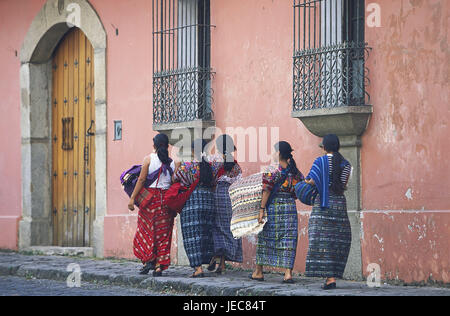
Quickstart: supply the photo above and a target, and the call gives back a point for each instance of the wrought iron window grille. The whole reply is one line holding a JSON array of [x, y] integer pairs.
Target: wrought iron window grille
[[329, 54], [182, 71]]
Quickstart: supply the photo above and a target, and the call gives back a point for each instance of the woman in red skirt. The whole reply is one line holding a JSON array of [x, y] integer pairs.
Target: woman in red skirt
[[155, 222]]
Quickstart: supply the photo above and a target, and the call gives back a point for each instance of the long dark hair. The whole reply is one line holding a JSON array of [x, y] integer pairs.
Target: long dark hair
[[206, 174], [286, 150], [161, 143], [225, 146], [331, 144]]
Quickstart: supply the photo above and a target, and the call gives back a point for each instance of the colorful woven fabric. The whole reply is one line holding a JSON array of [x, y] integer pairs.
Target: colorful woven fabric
[[129, 178], [306, 193], [230, 176], [320, 174], [188, 171], [273, 175], [196, 226], [246, 195], [153, 236], [224, 243], [330, 237], [277, 243]]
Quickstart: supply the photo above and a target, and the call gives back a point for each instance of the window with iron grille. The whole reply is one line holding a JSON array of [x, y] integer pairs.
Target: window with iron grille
[[181, 61], [329, 54]]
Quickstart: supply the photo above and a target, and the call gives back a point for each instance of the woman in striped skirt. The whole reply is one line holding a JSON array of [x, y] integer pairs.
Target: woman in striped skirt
[[153, 237], [197, 214], [226, 248], [329, 229], [277, 243]]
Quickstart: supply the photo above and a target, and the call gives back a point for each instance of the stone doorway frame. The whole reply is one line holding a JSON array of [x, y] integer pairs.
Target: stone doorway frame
[[44, 34]]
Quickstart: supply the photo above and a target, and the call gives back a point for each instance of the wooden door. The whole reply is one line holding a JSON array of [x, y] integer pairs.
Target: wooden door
[[73, 145]]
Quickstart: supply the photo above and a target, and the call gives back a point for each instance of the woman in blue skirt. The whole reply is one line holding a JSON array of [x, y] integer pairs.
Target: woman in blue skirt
[[197, 214], [329, 230], [277, 243], [226, 248]]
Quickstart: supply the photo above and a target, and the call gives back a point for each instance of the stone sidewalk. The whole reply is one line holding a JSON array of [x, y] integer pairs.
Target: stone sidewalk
[[18, 286], [176, 280]]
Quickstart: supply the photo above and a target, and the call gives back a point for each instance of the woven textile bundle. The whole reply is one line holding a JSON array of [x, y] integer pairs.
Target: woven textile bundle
[[246, 196]]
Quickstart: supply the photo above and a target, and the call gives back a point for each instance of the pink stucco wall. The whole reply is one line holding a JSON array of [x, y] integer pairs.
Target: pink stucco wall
[[404, 155], [404, 148], [13, 28], [409, 73], [129, 92]]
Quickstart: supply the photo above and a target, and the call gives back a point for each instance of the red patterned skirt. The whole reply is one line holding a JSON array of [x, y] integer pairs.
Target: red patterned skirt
[[154, 230]]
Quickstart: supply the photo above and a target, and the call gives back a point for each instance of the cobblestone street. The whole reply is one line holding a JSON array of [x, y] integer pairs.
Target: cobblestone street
[[306, 137], [46, 275], [18, 286]]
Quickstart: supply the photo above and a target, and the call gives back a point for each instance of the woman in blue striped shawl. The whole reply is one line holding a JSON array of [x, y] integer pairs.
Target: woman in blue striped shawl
[[329, 229]]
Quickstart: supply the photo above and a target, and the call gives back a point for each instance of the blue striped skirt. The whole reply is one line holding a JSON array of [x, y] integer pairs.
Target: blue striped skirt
[[277, 243], [330, 237], [196, 226], [224, 242]]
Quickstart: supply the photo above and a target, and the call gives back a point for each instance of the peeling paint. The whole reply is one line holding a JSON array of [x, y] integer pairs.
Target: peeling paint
[[413, 247], [380, 240]]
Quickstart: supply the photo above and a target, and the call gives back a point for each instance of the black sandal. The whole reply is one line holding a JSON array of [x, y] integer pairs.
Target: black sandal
[[195, 276], [331, 286], [147, 267], [255, 279], [157, 273], [288, 281]]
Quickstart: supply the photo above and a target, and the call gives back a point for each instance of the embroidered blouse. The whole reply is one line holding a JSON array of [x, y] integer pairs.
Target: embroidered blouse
[[188, 171], [229, 176], [273, 175]]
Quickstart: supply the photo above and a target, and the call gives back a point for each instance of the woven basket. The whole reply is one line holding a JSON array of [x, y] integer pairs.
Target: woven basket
[[246, 196]]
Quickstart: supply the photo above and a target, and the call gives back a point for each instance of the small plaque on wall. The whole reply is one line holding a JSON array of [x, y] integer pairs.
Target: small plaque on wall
[[117, 130]]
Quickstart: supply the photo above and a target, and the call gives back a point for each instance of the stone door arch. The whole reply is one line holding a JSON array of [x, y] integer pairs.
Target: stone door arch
[[44, 34]]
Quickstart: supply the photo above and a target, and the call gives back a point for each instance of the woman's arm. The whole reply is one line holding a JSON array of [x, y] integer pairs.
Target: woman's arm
[[269, 179], [140, 183], [265, 197], [174, 175]]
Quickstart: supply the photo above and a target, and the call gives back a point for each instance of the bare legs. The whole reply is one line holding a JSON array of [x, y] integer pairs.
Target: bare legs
[[258, 273], [213, 264], [222, 264], [288, 274]]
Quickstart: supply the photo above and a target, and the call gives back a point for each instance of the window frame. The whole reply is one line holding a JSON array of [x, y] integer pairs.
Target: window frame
[[329, 67], [182, 70]]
